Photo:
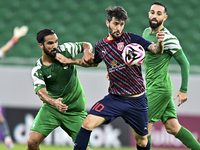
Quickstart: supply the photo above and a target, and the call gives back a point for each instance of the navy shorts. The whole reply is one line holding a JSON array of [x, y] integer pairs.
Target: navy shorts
[[133, 110]]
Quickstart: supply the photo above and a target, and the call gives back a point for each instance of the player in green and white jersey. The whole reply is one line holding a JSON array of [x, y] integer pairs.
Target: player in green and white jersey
[[159, 88], [59, 88]]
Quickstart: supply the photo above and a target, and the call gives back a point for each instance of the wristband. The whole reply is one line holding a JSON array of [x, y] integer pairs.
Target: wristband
[[14, 40]]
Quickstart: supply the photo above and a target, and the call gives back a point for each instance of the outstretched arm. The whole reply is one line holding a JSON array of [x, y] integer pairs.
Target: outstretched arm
[[158, 48], [62, 59], [18, 33], [42, 93]]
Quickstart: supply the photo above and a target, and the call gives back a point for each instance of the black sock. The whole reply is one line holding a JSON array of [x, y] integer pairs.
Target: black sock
[[82, 139]]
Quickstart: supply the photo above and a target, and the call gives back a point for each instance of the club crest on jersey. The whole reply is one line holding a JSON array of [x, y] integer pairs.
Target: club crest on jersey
[[114, 63], [120, 46], [65, 66]]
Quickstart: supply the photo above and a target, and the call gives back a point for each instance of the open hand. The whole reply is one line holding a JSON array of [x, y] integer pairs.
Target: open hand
[[182, 97], [19, 32]]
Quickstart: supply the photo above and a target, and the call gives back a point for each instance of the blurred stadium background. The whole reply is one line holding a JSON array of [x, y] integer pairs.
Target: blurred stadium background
[[75, 20]]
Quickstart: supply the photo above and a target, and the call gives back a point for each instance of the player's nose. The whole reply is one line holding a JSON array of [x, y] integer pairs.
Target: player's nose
[[55, 45]]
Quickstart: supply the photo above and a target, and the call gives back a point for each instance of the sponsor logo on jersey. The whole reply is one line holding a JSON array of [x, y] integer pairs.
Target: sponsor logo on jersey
[[114, 63], [117, 68], [120, 46], [65, 66], [48, 76]]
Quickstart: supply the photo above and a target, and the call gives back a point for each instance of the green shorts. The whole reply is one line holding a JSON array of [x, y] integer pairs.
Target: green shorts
[[49, 118], [161, 106]]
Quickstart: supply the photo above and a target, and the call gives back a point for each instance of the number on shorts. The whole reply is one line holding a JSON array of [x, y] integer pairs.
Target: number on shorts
[[98, 107]]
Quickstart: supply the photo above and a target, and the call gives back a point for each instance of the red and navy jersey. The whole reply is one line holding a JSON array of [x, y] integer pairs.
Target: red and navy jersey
[[124, 79]]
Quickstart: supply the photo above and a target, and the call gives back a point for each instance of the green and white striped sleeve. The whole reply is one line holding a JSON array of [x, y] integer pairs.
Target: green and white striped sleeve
[[37, 78], [72, 49], [171, 43]]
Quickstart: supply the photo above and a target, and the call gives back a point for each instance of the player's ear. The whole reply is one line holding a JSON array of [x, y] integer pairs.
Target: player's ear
[[107, 23], [40, 45], [165, 18], [148, 13]]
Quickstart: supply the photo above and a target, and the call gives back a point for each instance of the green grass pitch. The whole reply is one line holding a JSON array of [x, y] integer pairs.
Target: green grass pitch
[[52, 147]]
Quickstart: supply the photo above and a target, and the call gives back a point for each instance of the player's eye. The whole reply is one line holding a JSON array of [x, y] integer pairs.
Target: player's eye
[[49, 43], [152, 12], [116, 23]]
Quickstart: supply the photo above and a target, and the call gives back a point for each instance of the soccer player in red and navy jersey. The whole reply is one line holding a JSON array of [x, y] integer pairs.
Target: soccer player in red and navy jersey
[[126, 96]]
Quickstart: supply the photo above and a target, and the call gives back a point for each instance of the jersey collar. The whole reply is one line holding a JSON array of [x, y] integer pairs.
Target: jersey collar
[[110, 41]]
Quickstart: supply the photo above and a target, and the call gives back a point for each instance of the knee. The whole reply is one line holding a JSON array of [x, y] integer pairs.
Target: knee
[[172, 126], [172, 129], [87, 124], [33, 144], [142, 142]]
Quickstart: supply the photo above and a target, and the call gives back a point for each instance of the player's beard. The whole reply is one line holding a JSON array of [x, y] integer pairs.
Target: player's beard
[[113, 34], [50, 54], [153, 25]]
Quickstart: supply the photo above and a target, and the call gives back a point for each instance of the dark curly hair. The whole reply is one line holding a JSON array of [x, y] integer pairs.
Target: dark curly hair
[[118, 12]]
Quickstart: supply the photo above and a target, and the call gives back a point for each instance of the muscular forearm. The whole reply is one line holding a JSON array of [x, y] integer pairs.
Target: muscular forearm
[[157, 48], [42, 93], [80, 63], [45, 97], [64, 60]]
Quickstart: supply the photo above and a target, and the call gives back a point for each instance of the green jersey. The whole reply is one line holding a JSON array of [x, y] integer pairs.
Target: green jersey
[[156, 66], [61, 81]]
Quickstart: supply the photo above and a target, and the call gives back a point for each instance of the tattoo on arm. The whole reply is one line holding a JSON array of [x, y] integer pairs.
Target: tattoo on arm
[[80, 63], [155, 48], [152, 48]]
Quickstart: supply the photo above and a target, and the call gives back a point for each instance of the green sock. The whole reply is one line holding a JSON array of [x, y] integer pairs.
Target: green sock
[[186, 137], [149, 137]]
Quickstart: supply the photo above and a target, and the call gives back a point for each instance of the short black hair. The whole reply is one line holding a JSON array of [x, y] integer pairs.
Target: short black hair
[[161, 4], [118, 12], [42, 33]]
